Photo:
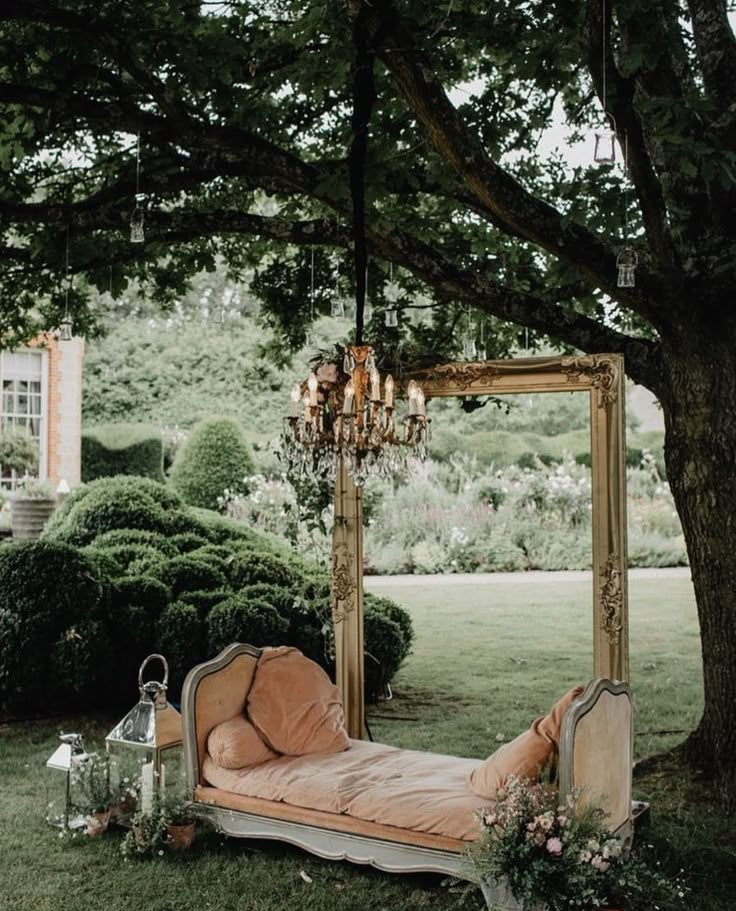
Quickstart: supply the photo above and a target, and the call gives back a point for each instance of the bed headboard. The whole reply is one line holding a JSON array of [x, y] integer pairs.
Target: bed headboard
[[213, 692], [596, 750]]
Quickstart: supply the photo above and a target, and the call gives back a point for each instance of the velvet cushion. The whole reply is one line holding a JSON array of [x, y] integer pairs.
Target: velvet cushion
[[294, 705], [527, 754], [236, 744]]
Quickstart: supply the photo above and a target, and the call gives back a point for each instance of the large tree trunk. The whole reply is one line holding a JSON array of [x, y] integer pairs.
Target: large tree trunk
[[699, 406]]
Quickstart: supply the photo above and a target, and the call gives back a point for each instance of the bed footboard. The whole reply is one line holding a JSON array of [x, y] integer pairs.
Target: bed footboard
[[596, 751]]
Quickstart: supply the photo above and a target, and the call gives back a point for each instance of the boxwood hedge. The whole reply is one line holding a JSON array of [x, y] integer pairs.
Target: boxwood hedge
[[126, 569]]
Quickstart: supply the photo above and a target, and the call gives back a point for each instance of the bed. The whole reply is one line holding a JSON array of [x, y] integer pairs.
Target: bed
[[401, 811]]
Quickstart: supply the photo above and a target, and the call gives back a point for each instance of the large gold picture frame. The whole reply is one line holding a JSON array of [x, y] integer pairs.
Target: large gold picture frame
[[601, 376]]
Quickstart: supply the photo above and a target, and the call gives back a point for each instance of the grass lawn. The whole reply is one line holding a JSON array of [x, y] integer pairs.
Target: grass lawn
[[488, 657]]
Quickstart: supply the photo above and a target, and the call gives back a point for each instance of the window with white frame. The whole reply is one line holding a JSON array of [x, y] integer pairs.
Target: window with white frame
[[23, 405]]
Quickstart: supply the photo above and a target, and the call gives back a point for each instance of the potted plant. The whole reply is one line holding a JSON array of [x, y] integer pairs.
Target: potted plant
[[148, 833], [31, 504], [93, 795], [180, 823], [534, 855]]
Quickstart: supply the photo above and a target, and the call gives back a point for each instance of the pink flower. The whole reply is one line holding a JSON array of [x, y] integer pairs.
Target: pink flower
[[599, 863], [554, 847]]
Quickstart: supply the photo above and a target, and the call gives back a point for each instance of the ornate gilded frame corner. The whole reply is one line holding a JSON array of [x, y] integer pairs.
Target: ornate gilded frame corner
[[601, 376]]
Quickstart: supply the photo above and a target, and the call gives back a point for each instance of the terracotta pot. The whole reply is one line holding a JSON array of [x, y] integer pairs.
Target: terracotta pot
[[97, 823], [30, 516], [180, 837]]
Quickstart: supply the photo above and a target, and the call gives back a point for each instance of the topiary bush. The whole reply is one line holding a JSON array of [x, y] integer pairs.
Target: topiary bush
[[385, 649], [243, 619], [248, 568], [204, 601], [118, 536], [181, 639], [122, 449], [215, 458], [138, 558], [142, 591], [54, 638], [187, 573], [109, 504]]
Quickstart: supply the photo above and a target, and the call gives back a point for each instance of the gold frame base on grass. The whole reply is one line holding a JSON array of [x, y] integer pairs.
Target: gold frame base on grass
[[601, 376]]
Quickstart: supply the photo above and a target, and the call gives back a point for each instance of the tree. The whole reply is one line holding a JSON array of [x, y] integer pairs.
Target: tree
[[234, 100]]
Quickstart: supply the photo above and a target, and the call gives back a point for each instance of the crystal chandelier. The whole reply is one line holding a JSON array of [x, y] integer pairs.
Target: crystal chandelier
[[341, 415]]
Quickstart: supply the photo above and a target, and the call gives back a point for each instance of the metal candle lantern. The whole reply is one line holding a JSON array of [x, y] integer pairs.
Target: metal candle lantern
[[605, 147], [137, 221], [149, 737], [66, 329], [626, 263], [67, 757]]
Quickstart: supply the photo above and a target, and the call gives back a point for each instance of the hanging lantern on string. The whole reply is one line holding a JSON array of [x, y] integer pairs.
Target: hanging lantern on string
[[605, 147], [470, 349], [482, 352], [626, 263], [137, 221], [66, 327], [605, 139], [391, 317]]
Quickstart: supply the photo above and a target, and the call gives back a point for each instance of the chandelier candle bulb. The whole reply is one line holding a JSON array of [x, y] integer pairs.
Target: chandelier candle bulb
[[420, 402], [312, 386], [389, 391], [375, 385], [349, 396], [307, 409], [413, 390], [296, 394]]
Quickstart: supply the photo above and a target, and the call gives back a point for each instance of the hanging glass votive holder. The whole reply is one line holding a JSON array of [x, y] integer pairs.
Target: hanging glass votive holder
[[470, 350], [626, 263], [605, 147], [137, 221], [66, 329], [337, 307], [391, 317]]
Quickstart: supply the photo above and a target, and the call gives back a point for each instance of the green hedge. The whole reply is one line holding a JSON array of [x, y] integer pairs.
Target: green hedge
[[215, 458], [82, 607], [122, 449]]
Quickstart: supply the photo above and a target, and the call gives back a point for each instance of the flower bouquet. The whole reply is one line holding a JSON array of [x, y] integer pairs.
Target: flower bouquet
[[534, 854]]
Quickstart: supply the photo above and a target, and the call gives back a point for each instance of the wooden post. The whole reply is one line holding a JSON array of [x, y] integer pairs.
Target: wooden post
[[346, 583]]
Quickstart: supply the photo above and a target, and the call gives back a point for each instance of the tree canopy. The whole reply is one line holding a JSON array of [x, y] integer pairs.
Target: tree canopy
[[244, 102]]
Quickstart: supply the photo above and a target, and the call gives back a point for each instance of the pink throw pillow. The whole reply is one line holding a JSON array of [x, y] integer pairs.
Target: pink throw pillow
[[235, 744], [526, 755], [295, 706]]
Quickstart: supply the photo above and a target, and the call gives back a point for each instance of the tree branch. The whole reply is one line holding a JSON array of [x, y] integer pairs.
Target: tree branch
[[498, 193], [716, 48], [619, 102]]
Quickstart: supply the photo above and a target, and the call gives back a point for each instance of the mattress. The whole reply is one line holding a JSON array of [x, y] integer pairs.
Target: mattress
[[373, 782]]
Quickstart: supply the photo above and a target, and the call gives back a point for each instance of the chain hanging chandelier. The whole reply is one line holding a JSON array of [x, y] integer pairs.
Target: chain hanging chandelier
[[341, 415]]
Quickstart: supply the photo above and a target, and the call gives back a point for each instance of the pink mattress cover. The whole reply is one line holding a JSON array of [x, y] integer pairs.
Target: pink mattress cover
[[422, 792]]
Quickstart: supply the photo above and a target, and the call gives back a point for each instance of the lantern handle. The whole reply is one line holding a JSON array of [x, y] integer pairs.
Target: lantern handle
[[166, 670]]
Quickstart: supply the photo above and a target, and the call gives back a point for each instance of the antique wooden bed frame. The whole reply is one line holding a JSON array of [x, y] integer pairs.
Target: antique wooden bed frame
[[595, 754], [596, 745]]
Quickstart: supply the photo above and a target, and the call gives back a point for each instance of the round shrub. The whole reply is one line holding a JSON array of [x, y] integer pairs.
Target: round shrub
[[248, 568], [114, 503], [241, 619], [385, 649], [378, 605], [283, 599], [181, 641], [137, 557], [215, 458], [111, 488], [153, 539], [185, 542], [187, 573], [140, 591], [219, 529], [204, 601], [214, 555], [53, 636]]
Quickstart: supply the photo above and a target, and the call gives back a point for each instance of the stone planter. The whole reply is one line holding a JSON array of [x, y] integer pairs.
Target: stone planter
[[29, 516]]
